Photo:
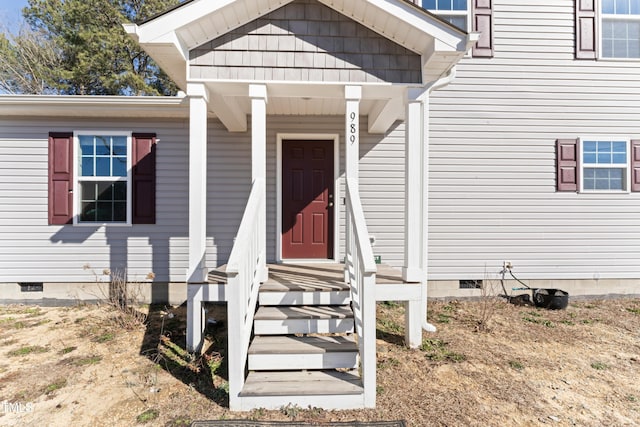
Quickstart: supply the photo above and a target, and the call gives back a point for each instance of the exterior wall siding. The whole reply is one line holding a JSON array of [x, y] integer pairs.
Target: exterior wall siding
[[492, 163], [33, 251]]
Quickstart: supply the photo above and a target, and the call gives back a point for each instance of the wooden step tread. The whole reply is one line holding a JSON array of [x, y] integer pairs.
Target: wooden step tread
[[302, 383], [303, 312], [302, 345], [272, 286]]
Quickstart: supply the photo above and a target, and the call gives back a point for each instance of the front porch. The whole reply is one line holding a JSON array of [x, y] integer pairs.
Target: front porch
[[308, 341], [244, 65], [304, 278], [299, 315]]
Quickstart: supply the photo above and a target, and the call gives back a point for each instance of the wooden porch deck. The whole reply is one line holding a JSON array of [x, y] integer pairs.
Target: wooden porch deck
[[330, 276]]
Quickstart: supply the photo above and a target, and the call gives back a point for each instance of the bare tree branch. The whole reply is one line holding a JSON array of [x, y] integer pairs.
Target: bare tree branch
[[27, 62]]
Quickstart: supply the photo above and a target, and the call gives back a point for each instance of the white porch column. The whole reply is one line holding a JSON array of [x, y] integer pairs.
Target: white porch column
[[198, 99], [412, 270], [415, 233], [197, 270], [352, 95], [258, 95]]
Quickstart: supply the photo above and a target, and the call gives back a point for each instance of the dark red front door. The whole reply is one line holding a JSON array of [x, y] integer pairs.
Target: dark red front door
[[307, 199]]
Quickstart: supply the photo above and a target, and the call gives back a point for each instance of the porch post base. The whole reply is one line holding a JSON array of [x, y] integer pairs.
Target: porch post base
[[198, 275], [412, 275], [413, 323], [195, 318]]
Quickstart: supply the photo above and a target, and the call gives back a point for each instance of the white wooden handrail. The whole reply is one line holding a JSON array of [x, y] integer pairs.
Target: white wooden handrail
[[360, 272], [243, 282]]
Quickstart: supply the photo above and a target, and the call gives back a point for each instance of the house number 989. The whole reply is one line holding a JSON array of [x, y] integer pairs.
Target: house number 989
[[352, 128]]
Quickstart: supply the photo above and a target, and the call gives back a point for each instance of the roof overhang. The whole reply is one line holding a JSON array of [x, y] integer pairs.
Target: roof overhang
[[93, 106], [169, 37]]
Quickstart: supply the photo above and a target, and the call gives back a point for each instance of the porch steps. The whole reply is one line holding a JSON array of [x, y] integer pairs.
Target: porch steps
[[308, 383], [280, 320], [326, 389], [274, 293], [304, 351]]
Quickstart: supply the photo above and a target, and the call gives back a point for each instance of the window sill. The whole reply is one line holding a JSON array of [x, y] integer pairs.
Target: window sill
[[600, 192], [603, 59], [101, 224]]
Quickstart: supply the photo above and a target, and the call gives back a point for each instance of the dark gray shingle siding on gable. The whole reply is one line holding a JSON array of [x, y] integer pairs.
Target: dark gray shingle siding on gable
[[305, 41]]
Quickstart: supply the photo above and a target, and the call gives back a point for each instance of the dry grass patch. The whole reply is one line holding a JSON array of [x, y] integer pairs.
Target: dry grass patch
[[530, 367]]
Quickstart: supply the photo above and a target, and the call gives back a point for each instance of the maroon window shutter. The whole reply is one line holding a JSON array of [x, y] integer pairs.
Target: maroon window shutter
[[482, 22], [567, 157], [60, 178], [586, 29], [144, 178], [635, 165]]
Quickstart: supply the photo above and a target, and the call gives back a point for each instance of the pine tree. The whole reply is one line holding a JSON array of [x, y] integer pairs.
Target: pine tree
[[95, 55]]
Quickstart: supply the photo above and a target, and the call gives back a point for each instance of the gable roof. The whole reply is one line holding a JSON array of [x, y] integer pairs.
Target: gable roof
[[170, 36]]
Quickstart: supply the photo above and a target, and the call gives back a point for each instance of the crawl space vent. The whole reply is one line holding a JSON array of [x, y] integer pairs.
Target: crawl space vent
[[470, 284], [31, 286]]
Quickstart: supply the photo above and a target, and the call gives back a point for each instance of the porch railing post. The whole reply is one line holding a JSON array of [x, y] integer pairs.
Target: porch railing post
[[362, 273], [235, 324]]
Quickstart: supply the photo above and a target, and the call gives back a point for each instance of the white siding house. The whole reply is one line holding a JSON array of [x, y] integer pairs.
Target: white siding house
[[444, 137], [493, 172]]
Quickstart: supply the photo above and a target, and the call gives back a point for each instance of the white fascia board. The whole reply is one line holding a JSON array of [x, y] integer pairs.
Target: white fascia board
[[472, 38], [412, 16], [409, 15], [132, 30], [166, 49], [180, 17], [92, 106], [171, 59], [167, 40]]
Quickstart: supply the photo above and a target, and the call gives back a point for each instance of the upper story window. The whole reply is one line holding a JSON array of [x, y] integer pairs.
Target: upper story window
[[620, 28], [454, 11], [605, 165], [103, 177]]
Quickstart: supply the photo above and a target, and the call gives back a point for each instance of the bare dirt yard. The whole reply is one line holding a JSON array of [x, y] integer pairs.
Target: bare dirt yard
[[88, 365]]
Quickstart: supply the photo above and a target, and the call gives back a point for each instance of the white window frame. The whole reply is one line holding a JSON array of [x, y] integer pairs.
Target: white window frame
[[77, 178], [626, 167], [601, 17], [466, 13]]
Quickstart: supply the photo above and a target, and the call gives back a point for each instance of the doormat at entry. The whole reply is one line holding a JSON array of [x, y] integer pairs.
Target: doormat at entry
[[248, 423]]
